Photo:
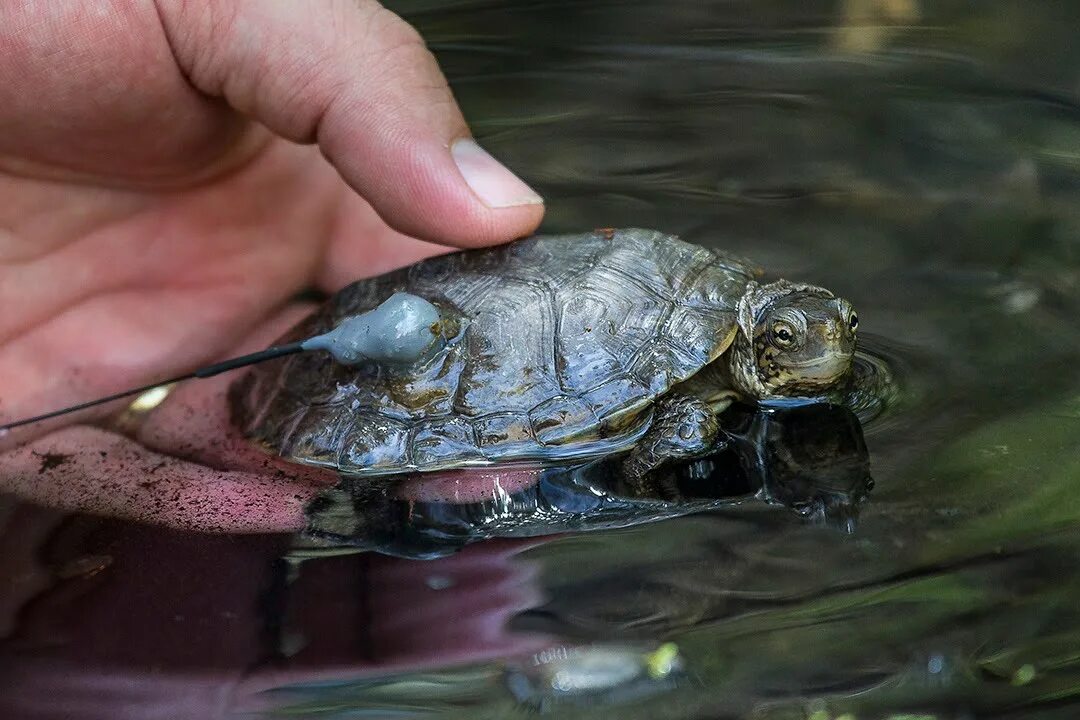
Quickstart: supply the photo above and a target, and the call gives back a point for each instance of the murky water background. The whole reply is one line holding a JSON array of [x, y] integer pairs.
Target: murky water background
[[923, 160]]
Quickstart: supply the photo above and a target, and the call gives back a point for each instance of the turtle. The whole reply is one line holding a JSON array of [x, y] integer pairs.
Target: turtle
[[553, 348]]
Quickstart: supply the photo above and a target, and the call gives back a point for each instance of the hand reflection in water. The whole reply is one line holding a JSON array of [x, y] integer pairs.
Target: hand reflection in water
[[163, 625], [157, 209]]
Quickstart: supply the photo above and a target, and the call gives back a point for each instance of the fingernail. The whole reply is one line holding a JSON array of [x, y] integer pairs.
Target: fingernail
[[496, 186]]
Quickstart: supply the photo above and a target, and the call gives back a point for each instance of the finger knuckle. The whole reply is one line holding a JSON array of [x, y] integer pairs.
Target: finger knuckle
[[197, 32]]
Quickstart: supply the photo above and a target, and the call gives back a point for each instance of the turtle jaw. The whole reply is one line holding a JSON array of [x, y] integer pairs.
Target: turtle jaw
[[754, 383], [810, 378]]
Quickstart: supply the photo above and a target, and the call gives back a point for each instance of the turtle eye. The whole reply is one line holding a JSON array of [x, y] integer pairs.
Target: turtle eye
[[783, 333], [853, 321]]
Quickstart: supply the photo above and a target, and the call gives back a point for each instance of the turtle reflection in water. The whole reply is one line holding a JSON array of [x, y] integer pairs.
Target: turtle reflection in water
[[554, 348], [811, 459]]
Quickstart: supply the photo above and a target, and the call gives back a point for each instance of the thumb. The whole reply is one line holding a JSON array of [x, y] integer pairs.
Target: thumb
[[356, 79]]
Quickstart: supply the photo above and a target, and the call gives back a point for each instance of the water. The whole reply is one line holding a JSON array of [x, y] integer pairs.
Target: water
[[923, 163], [810, 458]]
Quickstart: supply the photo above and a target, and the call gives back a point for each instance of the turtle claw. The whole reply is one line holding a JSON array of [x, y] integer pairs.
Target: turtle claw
[[666, 489], [683, 428]]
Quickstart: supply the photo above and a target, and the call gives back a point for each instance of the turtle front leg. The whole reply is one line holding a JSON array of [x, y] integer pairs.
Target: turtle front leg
[[683, 428]]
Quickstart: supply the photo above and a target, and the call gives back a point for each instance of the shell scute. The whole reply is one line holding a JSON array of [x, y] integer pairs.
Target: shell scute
[[280, 423], [502, 433], [604, 316], [615, 396], [584, 363], [430, 391], [560, 419], [509, 354], [654, 366], [715, 287], [440, 440], [459, 294], [649, 271], [373, 443], [317, 436], [696, 336]]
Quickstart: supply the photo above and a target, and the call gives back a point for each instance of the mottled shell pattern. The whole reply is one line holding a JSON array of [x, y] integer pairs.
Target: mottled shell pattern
[[563, 343]]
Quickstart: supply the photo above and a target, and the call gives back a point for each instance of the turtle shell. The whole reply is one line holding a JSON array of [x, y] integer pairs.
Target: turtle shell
[[564, 342]]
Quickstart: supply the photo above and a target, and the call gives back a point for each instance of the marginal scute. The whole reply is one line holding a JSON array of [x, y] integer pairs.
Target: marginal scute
[[438, 441], [372, 443], [318, 434], [440, 269], [565, 343], [616, 396], [277, 429], [561, 418], [500, 433]]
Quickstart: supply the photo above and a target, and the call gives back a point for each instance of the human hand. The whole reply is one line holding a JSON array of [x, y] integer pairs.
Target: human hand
[[157, 209]]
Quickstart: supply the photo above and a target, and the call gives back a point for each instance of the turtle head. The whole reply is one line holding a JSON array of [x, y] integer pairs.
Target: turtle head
[[793, 340]]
